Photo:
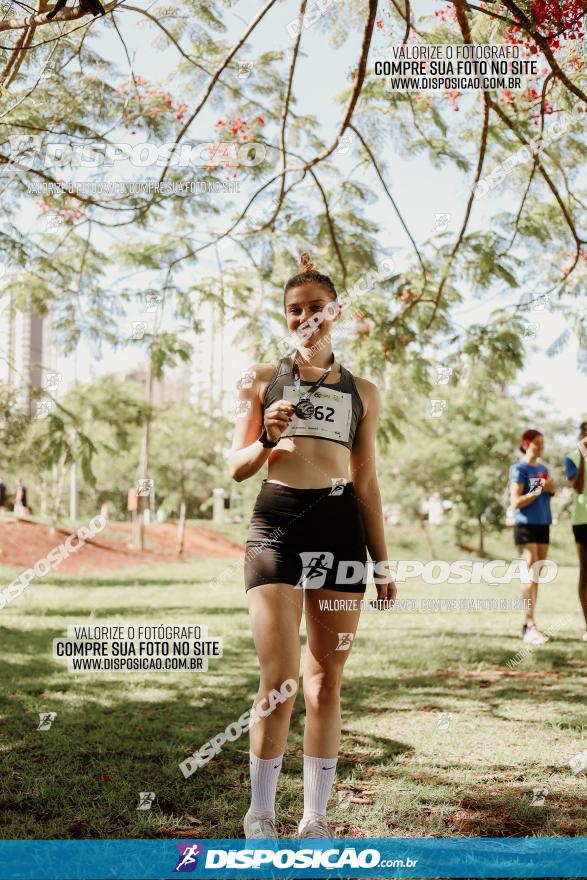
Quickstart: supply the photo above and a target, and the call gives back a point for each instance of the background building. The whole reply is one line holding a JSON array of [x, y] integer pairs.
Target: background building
[[218, 360], [26, 349], [174, 387]]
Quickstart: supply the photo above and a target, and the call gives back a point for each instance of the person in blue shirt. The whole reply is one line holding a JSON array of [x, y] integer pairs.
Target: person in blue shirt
[[531, 491], [575, 471]]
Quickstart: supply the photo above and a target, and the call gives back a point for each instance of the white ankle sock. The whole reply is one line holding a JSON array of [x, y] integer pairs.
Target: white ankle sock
[[264, 776], [318, 778]]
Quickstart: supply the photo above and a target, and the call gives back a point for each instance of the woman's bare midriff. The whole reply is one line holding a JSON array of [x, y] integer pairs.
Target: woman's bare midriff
[[308, 463]]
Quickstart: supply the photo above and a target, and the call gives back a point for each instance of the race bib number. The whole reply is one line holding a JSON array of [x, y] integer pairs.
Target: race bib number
[[333, 412]]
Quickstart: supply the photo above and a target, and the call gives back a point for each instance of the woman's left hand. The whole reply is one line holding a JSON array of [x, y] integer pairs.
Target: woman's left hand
[[386, 592]]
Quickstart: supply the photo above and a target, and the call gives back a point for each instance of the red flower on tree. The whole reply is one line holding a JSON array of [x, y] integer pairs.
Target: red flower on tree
[[555, 20], [225, 153], [69, 209], [149, 103]]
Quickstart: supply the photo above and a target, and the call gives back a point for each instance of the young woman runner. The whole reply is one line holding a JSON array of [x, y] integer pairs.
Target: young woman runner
[[575, 471], [314, 423], [531, 489]]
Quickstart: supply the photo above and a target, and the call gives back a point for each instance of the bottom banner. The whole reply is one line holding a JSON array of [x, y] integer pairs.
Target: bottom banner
[[292, 858]]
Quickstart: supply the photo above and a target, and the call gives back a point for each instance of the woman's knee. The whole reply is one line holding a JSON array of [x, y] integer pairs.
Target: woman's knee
[[322, 690], [279, 686]]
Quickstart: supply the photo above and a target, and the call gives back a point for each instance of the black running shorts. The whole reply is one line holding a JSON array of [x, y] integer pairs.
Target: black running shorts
[[530, 534], [307, 537], [580, 533]]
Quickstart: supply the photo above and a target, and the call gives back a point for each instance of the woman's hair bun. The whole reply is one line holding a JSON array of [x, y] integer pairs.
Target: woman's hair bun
[[309, 274], [306, 264]]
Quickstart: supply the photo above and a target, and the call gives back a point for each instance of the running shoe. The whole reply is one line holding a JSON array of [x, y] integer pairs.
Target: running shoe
[[315, 826], [532, 635], [259, 825]]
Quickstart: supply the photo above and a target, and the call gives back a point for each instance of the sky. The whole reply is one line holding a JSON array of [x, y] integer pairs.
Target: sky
[[421, 190]]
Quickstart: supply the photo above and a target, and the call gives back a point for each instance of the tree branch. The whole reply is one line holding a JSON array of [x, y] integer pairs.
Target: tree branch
[[526, 25], [303, 169], [534, 165], [390, 197], [505, 118], [267, 110], [466, 33], [284, 112], [360, 76], [240, 42], [331, 229], [68, 13]]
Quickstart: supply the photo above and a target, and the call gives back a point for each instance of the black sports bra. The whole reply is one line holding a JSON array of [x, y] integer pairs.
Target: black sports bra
[[338, 408]]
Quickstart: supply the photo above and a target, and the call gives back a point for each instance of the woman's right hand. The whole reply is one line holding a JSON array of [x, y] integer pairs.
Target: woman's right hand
[[276, 419], [537, 490]]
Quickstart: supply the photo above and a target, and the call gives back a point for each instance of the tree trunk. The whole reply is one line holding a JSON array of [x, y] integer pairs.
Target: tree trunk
[[429, 539], [481, 550], [43, 508], [73, 486], [139, 529], [181, 528], [57, 495]]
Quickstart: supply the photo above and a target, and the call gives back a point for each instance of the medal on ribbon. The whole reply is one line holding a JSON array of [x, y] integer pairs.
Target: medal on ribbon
[[304, 408]]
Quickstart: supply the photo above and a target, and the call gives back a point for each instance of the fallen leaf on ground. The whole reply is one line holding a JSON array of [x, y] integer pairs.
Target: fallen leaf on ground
[[363, 798], [361, 787]]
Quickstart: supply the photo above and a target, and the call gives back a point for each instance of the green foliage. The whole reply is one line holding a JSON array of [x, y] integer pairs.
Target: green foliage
[[166, 351], [185, 469], [466, 454], [79, 273], [13, 424]]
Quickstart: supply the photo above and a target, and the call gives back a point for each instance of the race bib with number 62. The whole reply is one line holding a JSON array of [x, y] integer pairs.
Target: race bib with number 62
[[333, 412]]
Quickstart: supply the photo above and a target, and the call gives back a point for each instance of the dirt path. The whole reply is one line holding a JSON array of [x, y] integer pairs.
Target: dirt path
[[23, 542]]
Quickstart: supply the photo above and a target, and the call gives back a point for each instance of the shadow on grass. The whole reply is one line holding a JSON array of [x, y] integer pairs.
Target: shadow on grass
[[82, 778], [102, 615], [490, 809], [365, 695], [128, 581]]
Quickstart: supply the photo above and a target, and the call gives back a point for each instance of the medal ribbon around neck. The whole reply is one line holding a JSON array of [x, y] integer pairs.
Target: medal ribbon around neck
[[304, 408]]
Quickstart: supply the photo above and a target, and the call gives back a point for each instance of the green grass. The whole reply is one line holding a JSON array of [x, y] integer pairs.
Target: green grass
[[429, 542], [511, 731]]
